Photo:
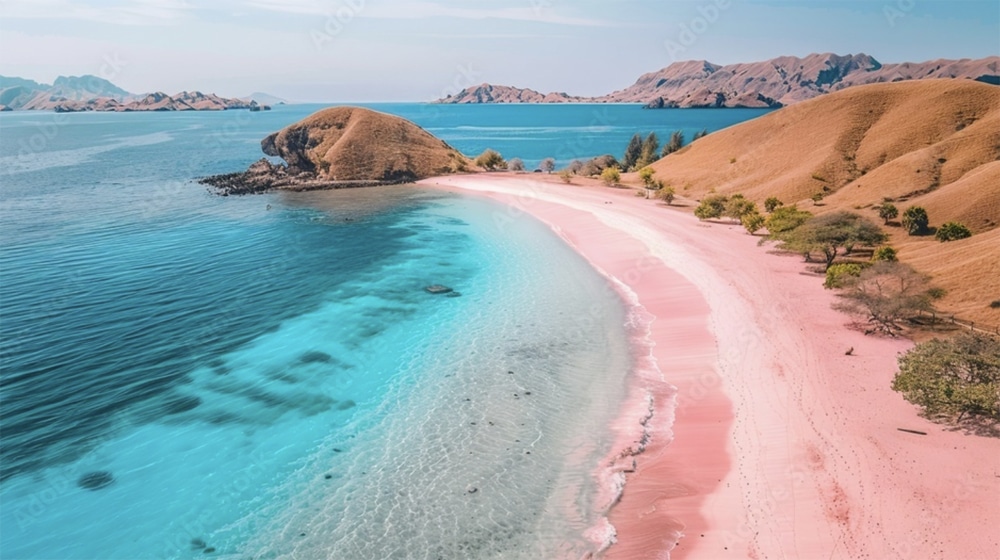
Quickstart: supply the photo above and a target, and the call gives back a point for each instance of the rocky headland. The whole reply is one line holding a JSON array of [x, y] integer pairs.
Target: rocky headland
[[344, 147]]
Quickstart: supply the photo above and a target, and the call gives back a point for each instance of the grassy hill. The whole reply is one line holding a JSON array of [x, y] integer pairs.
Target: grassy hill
[[930, 143]]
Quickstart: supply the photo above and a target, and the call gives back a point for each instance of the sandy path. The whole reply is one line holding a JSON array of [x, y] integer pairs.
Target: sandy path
[[784, 447]]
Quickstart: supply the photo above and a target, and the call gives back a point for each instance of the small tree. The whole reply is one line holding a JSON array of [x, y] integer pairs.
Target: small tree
[[951, 231], [952, 377], [574, 166], [515, 164], [611, 176], [700, 134], [771, 203], [566, 176], [490, 160], [752, 221], [646, 175], [887, 211], [632, 153], [712, 206], [675, 144], [885, 294], [830, 232], [667, 194], [886, 253], [915, 220], [548, 165]]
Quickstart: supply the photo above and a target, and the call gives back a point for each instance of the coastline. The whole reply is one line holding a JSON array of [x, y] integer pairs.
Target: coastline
[[766, 439]]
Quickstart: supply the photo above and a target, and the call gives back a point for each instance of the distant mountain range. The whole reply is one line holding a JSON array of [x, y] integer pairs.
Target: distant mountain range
[[772, 83], [91, 93]]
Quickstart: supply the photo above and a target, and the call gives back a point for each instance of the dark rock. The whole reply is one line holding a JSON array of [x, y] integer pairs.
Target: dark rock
[[315, 357], [210, 550], [95, 480], [438, 289], [328, 476], [197, 544], [346, 405]]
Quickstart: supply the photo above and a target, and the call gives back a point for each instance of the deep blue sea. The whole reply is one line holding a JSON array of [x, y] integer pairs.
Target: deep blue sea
[[265, 377]]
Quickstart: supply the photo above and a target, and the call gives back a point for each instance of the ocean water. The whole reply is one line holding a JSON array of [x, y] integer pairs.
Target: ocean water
[[265, 377]]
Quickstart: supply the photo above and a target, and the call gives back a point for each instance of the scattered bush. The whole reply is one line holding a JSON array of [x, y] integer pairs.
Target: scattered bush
[[738, 206], [646, 174], [887, 254], [785, 219], [667, 194], [515, 164], [887, 211], [995, 304], [885, 294], [700, 134], [771, 203], [838, 273], [611, 176], [915, 220], [490, 160], [953, 377], [548, 165], [574, 166], [951, 231], [732, 160], [596, 165], [566, 176], [711, 206], [752, 221]]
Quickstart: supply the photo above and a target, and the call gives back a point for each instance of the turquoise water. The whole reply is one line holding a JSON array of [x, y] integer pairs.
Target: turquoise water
[[265, 376]]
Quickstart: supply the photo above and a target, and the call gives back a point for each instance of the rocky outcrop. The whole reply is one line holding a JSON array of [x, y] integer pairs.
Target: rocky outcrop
[[344, 147], [488, 93], [771, 83]]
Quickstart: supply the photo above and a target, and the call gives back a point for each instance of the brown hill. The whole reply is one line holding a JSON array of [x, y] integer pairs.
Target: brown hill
[[932, 143], [770, 83], [355, 144]]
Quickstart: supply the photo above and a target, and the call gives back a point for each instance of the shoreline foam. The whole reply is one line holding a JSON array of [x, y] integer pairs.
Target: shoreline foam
[[783, 446]]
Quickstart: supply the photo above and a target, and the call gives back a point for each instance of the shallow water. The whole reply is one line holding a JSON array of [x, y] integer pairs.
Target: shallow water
[[266, 376]]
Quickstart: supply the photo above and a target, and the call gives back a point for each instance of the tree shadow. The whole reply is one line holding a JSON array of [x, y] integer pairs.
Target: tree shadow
[[982, 426]]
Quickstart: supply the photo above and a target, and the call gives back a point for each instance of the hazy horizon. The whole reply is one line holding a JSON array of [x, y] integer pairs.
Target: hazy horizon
[[367, 50]]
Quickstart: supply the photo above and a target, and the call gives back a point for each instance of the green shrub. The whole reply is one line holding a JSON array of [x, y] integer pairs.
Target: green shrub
[[752, 221], [838, 273], [887, 211], [955, 377], [490, 160], [711, 206], [915, 220], [667, 194], [952, 231], [887, 254], [611, 176], [771, 203]]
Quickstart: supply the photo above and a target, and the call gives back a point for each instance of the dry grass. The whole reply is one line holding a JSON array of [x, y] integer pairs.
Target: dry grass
[[932, 143], [355, 144]]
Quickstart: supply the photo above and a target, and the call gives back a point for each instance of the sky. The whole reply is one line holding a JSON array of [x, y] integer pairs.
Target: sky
[[400, 50]]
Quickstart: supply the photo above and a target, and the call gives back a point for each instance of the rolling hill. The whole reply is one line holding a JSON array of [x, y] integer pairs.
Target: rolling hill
[[932, 143]]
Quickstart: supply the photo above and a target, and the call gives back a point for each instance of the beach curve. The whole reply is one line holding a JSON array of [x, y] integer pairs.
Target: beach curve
[[766, 439]]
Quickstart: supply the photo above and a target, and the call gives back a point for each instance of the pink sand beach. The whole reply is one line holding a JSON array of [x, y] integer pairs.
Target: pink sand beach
[[748, 432]]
